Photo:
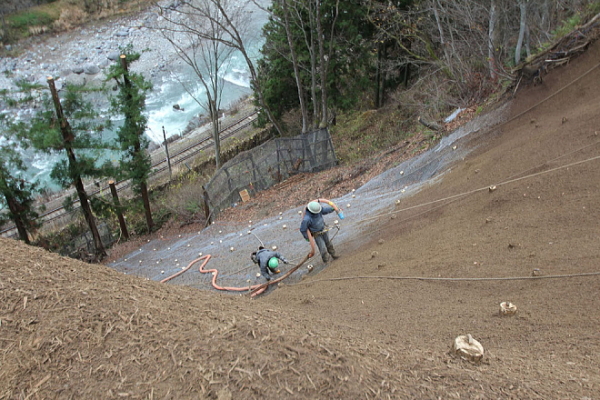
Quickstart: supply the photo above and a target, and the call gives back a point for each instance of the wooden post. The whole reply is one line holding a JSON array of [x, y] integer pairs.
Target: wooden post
[[207, 213], [254, 176], [167, 151], [278, 163], [113, 191]]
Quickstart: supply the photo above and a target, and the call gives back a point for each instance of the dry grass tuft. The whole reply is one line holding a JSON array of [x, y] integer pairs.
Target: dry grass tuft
[[70, 18]]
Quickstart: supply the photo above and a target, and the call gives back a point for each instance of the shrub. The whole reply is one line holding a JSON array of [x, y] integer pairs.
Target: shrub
[[24, 20]]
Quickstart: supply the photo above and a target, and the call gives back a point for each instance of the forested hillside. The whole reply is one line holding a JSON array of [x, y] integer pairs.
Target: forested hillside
[[426, 56]]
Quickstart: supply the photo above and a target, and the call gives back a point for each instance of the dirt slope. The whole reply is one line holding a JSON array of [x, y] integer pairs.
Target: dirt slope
[[378, 322]]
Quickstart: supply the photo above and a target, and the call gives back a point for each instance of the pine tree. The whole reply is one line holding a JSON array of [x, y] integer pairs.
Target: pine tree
[[70, 127], [130, 102], [16, 193]]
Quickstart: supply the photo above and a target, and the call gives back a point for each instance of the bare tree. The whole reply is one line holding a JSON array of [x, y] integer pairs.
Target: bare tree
[[286, 13], [230, 19], [325, 53], [208, 59]]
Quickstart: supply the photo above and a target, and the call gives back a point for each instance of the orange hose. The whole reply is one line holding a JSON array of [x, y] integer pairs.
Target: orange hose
[[215, 273], [264, 286], [256, 289], [331, 203]]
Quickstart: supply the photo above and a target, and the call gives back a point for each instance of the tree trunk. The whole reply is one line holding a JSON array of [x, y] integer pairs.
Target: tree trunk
[[301, 96], [322, 67], [442, 36], [492, 33], [115, 195], [137, 149], [522, 30], [325, 60], [15, 209], [379, 76], [214, 116], [68, 137]]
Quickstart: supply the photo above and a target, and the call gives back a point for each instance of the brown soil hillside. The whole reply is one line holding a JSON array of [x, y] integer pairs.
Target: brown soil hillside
[[380, 321]]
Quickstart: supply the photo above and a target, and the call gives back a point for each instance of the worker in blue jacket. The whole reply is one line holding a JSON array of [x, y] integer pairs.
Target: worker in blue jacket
[[313, 221], [268, 261]]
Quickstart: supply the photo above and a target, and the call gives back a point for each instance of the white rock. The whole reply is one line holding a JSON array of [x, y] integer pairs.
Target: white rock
[[467, 348], [507, 308]]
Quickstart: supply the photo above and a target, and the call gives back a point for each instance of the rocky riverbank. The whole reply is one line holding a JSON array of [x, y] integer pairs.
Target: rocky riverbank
[[82, 55]]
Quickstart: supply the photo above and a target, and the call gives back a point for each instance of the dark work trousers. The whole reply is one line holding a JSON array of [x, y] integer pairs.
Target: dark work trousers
[[324, 245]]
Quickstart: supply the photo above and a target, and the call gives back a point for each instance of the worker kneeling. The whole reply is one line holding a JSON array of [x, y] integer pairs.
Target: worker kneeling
[[268, 261], [313, 221]]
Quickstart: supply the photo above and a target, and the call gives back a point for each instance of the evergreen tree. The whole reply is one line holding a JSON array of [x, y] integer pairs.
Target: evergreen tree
[[330, 43], [130, 102], [69, 127], [16, 193]]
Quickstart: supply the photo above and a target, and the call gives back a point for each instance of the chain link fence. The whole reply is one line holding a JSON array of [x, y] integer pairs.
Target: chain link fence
[[264, 166]]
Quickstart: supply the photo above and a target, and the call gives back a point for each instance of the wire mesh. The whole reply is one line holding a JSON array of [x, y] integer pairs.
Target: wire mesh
[[268, 164]]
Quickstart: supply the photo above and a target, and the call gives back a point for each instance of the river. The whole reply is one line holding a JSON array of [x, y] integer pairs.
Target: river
[[59, 56]]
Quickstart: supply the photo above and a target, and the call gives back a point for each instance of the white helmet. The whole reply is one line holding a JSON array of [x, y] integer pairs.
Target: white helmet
[[314, 207]]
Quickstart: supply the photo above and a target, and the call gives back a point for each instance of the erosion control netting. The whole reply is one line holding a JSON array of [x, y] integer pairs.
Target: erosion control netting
[[365, 209], [268, 164]]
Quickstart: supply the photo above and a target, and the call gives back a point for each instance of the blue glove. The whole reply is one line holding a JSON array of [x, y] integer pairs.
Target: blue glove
[[341, 214]]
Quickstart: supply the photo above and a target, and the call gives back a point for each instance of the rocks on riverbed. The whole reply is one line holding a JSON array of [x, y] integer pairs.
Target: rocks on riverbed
[[81, 57]]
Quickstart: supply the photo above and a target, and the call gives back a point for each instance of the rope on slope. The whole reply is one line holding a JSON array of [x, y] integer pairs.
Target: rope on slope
[[422, 278]]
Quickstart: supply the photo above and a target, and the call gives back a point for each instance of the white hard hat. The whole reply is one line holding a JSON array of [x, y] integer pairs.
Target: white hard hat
[[314, 207]]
